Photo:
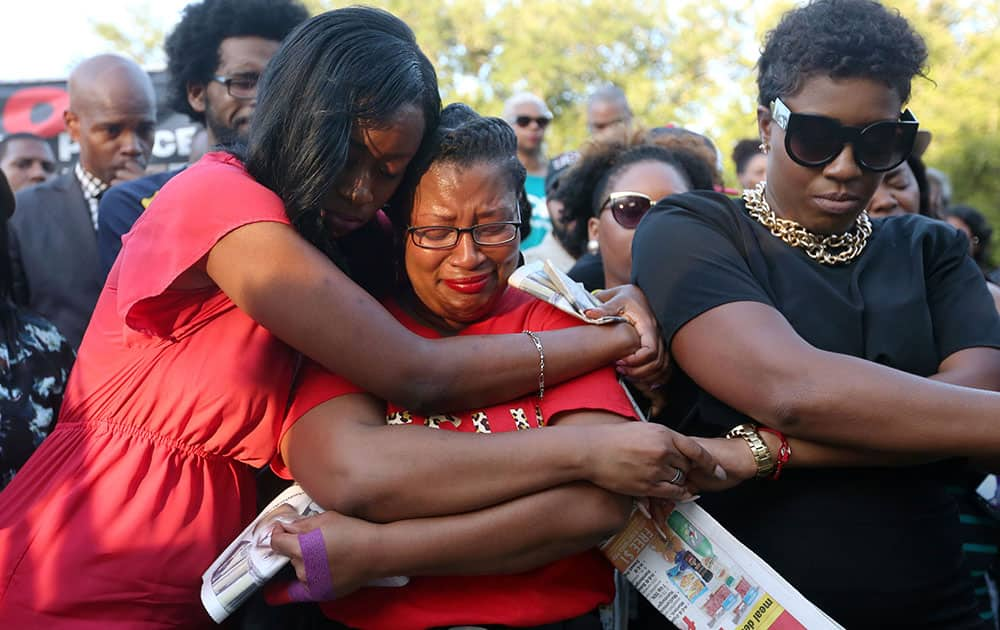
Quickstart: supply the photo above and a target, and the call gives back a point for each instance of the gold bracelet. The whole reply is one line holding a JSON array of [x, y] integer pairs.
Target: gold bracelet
[[758, 449], [541, 363]]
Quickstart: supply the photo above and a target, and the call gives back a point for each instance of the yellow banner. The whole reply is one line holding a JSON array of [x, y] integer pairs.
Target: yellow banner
[[765, 613]]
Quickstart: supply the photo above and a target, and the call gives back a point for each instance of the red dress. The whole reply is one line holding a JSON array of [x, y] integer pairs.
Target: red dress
[[560, 590], [174, 397]]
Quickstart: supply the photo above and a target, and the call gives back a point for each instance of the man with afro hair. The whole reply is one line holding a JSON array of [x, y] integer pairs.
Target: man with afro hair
[[215, 57]]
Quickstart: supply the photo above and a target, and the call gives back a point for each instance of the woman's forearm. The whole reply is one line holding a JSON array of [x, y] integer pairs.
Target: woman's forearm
[[303, 299], [862, 404], [509, 538], [471, 371], [387, 473], [974, 367], [772, 375]]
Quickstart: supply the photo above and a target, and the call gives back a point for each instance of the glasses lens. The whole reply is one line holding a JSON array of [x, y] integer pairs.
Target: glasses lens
[[494, 233], [434, 237], [885, 145], [244, 86], [813, 139], [629, 210], [542, 122]]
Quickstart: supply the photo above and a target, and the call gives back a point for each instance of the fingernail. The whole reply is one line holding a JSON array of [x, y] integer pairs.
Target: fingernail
[[692, 499], [620, 363], [720, 473], [655, 386]]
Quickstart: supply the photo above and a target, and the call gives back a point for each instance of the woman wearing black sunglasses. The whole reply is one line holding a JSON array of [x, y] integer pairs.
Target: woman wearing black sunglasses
[[609, 191], [844, 337]]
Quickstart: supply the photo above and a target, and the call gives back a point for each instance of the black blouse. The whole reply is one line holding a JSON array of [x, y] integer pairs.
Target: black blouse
[[873, 547]]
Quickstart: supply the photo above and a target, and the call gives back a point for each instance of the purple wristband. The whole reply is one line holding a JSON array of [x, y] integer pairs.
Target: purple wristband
[[319, 582]]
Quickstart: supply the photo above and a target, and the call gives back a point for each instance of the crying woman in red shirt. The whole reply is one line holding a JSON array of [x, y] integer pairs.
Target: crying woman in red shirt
[[494, 521]]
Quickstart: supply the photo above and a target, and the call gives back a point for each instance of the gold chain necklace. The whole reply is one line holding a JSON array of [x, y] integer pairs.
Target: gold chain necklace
[[816, 246]]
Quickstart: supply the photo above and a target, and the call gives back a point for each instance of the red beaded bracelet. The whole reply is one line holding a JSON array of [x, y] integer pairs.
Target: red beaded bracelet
[[784, 452]]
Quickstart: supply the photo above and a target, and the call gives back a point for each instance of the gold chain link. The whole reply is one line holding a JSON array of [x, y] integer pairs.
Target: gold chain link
[[816, 246]]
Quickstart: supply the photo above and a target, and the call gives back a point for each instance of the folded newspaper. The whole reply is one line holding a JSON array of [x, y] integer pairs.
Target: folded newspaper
[[700, 577], [249, 562], [547, 283]]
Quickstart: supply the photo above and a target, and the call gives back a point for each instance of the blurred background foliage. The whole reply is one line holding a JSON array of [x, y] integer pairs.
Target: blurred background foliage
[[685, 62]]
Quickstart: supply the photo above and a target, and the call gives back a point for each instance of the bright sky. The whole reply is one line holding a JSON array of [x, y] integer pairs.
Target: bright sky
[[44, 39]]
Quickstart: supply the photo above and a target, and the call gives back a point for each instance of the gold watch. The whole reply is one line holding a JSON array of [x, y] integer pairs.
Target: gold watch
[[758, 449]]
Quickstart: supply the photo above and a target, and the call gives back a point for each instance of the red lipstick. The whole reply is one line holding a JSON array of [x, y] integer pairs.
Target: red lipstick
[[468, 284]]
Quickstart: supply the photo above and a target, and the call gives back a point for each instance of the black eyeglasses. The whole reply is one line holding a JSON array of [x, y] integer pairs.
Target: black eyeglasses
[[446, 237], [242, 86], [812, 140], [628, 208], [541, 121]]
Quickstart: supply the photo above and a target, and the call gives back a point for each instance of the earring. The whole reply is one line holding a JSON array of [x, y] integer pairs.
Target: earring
[[593, 247], [321, 219], [764, 148]]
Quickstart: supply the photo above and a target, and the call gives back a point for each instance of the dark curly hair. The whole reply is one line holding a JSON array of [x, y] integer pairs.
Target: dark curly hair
[[743, 152], [588, 182], [840, 39], [193, 46], [464, 138]]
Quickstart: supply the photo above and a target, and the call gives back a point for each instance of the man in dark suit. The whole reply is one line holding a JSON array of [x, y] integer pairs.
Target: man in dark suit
[[53, 238]]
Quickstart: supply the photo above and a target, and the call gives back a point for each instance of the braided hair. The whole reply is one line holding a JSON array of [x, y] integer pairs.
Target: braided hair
[[463, 138]]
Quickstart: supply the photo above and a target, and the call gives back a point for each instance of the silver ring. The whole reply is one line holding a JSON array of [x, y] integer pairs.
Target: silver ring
[[678, 477]]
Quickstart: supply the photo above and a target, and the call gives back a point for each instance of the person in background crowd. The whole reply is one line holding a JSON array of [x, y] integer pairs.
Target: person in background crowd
[[977, 229], [609, 118], [938, 191], [26, 160], [860, 342], [35, 361], [215, 56], [679, 138], [112, 115], [549, 219], [183, 378], [904, 189], [530, 117], [484, 540], [562, 223], [751, 163], [609, 191]]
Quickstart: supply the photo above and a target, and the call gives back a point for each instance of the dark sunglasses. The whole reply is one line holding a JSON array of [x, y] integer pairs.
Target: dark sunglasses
[[524, 121], [627, 208], [812, 140]]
